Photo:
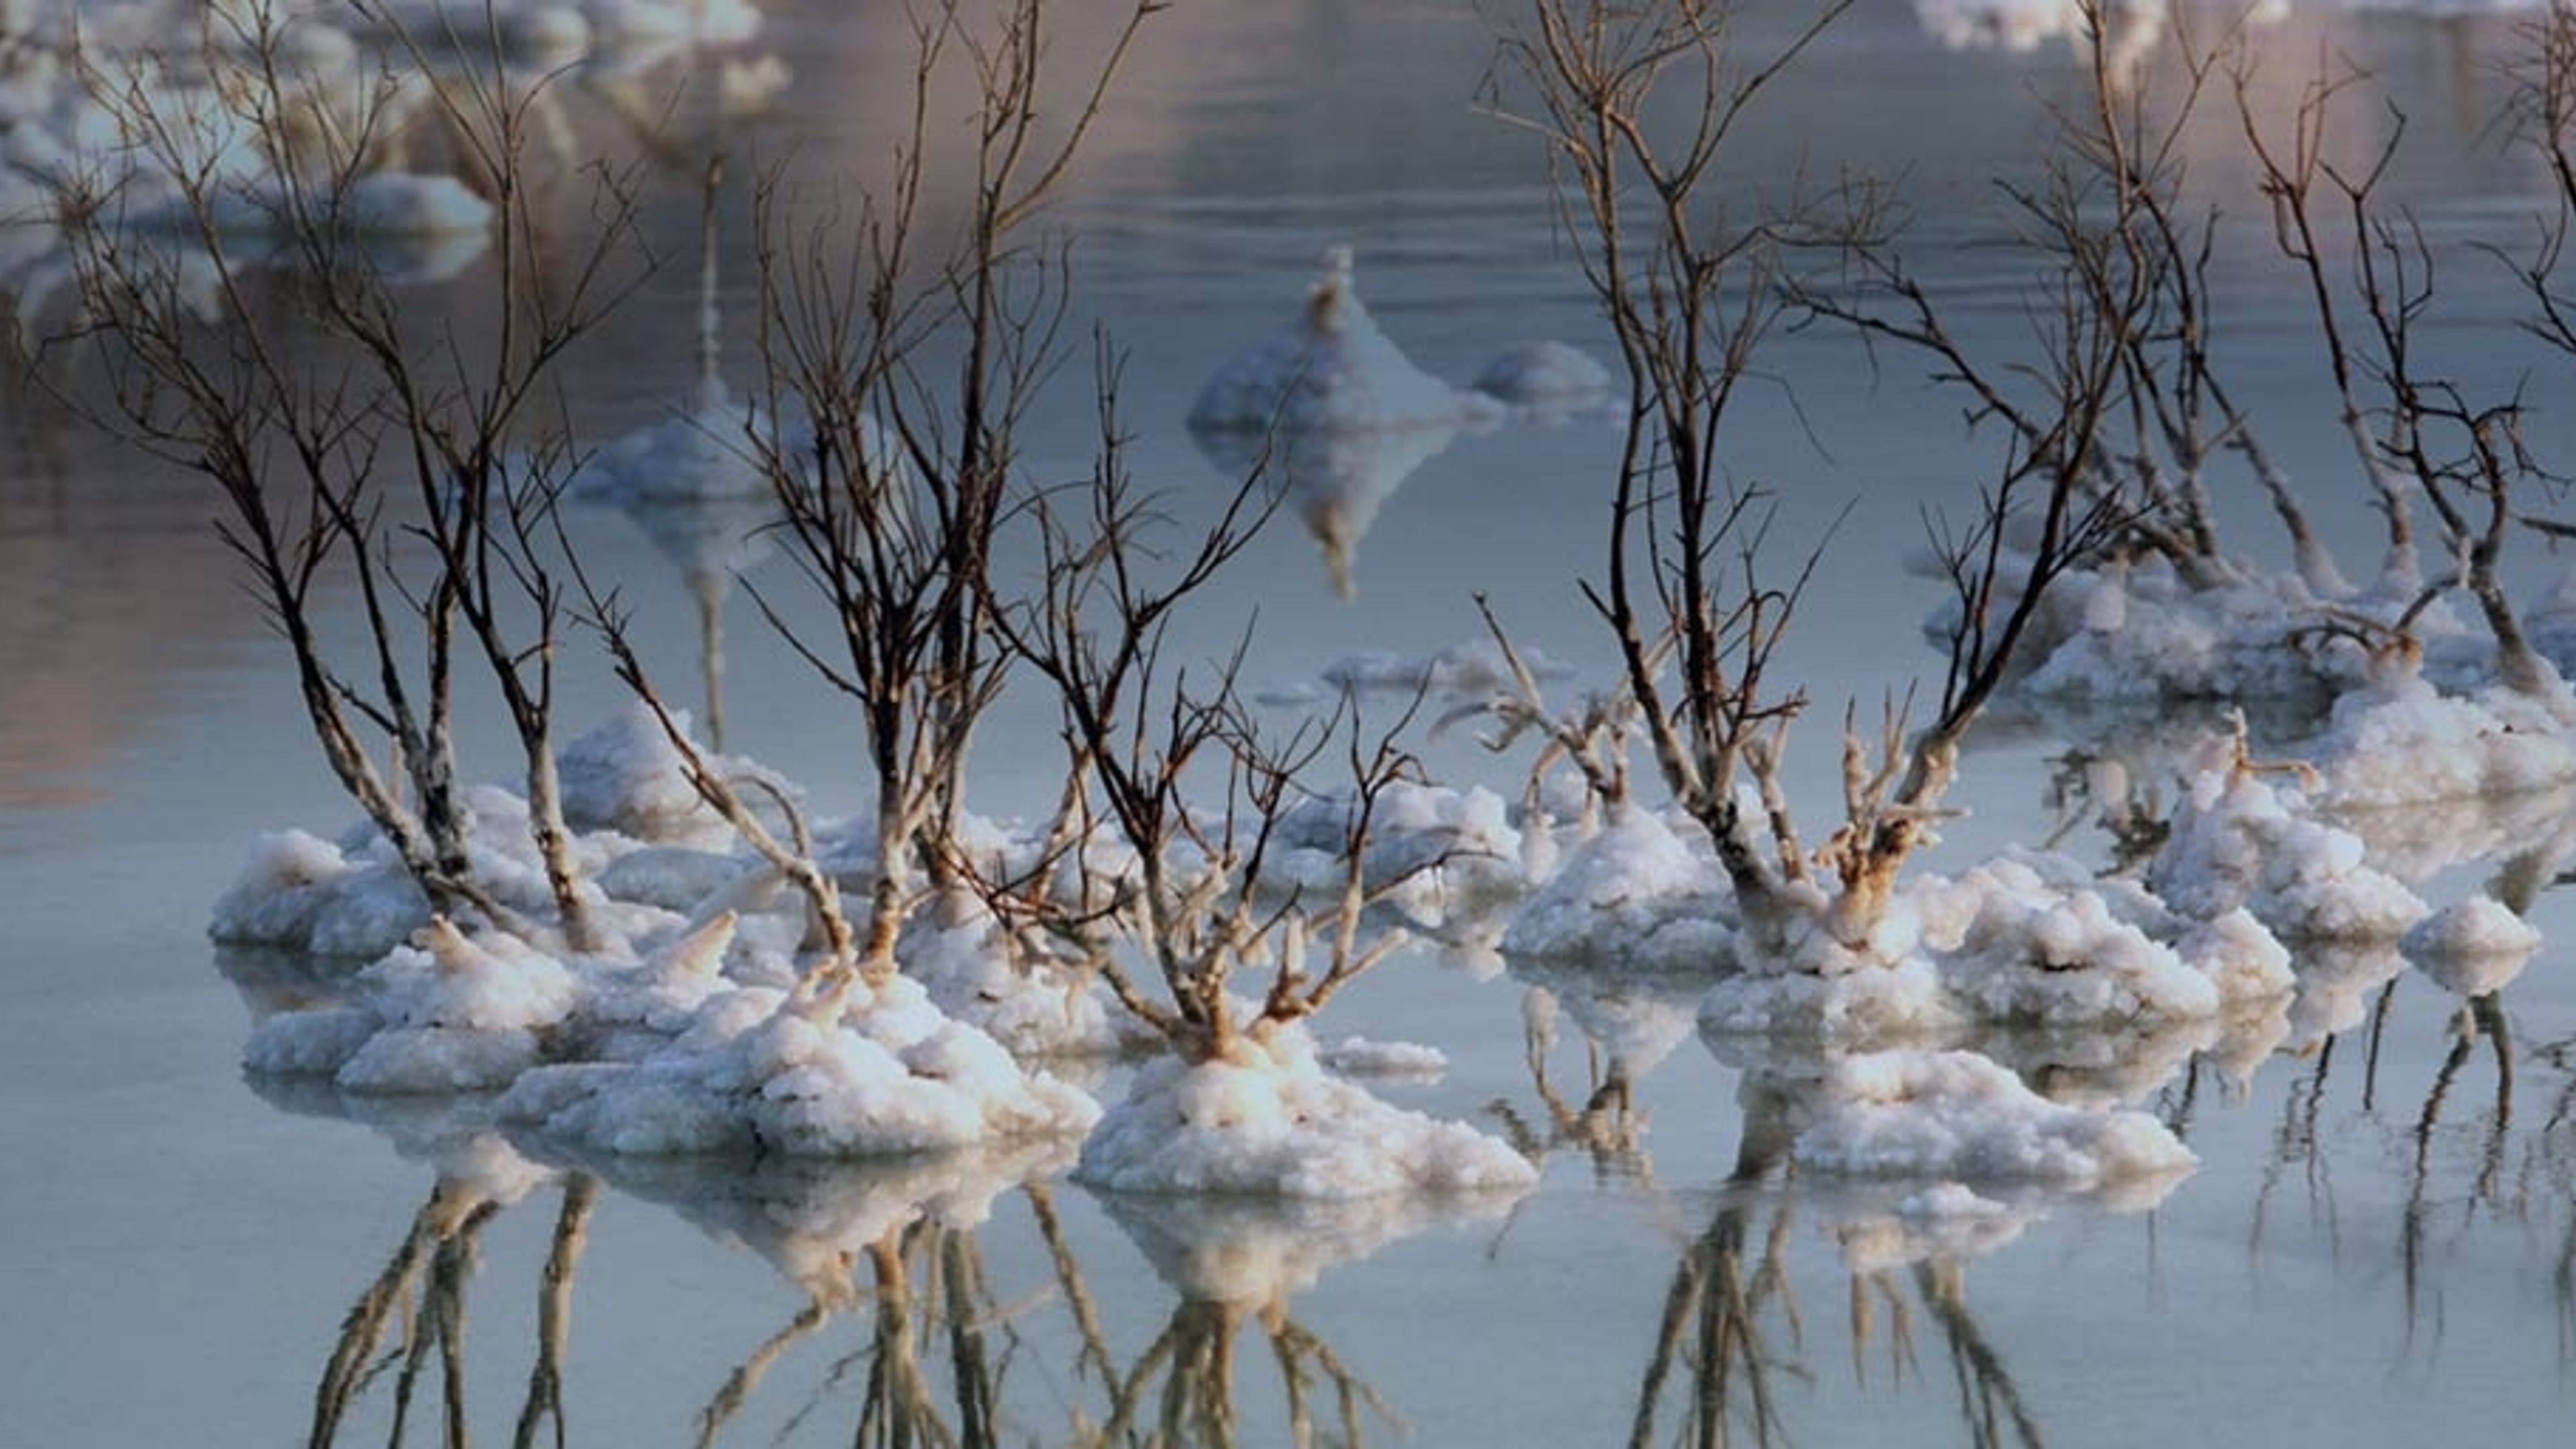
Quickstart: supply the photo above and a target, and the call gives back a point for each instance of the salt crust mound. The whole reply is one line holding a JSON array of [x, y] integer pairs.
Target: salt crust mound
[[626, 776], [1331, 368], [2472, 947], [1633, 894], [1036, 1009], [645, 848], [2238, 841], [443, 1015], [2029, 939], [2402, 742], [1429, 842], [1959, 1116], [758, 1070], [1271, 1122]]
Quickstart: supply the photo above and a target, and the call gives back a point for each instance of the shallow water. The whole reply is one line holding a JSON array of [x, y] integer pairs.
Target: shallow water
[[2379, 1246]]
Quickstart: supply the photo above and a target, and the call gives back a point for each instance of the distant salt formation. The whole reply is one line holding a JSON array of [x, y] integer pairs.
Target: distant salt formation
[[1546, 381], [1331, 368], [1336, 410]]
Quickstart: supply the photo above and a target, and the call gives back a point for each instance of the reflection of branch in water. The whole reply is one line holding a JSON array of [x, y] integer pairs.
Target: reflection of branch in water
[[1193, 1362], [2296, 1140], [2483, 1016], [746, 1377], [1607, 1125], [1987, 1396], [364, 1329], [1711, 1328], [554, 1311], [439, 1321], [434, 1260], [1077, 1293]]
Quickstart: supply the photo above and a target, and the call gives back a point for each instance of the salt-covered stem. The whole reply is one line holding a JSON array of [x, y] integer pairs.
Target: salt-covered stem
[[1595, 740], [1133, 725]]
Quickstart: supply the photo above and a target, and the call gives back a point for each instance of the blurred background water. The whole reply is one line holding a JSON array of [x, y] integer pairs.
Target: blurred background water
[[2379, 1246]]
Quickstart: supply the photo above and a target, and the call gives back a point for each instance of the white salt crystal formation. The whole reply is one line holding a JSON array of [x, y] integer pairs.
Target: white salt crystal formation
[[444, 1014], [1958, 1116], [873, 1072], [1271, 1122], [1331, 368]]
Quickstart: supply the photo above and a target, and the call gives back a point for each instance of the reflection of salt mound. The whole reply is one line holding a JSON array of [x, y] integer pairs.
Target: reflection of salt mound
[[881, 1072], [1947, 1221], [2416, 842], [2472, 947], [812, 1219], [1330, 368], [2335, 978], [1258, 1252], [704, 452], [1271, 1122], [2086, 1068], [1958, 1115], [1634, 1020]]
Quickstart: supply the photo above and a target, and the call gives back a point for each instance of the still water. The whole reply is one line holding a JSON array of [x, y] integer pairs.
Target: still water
[[2378, 1248]]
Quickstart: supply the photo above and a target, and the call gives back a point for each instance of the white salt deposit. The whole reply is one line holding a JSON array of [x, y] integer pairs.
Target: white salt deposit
[[626, 776], [1957, 1115], [2472, 947], [1634, 894], [1357, 1056], [758, 1070], [1271, 1122], [2239, 841], [1034, 1007], [445, 1014]]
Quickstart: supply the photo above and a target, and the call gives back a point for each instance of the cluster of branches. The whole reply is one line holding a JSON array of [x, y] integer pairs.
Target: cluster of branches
[[351, 447], [1136, 855], [1637, 109]]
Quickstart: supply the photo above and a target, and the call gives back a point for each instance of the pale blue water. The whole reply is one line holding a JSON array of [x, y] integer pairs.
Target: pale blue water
[[2362, 1258]]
